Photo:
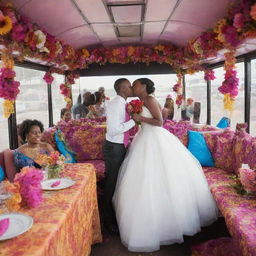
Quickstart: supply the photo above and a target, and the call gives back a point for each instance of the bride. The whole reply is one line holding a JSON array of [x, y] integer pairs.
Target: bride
[[161, 192]]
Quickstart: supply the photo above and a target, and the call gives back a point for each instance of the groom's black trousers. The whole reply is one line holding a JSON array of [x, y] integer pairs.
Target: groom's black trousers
[[114, 154]]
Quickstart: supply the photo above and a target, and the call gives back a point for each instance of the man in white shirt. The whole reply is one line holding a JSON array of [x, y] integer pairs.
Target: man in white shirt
[[114, 148]]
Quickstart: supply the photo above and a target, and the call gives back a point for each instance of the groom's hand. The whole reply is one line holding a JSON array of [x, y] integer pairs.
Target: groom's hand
[[136, 117]]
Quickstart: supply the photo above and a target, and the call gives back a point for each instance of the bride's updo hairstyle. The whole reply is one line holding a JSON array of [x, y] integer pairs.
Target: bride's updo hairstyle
[[150, 86]]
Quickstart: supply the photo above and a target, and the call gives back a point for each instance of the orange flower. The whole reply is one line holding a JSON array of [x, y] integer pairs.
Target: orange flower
[[5, 25], [159, 47], [14, 202], [253, 12], [116, 52], [86, 53], [131, 51]]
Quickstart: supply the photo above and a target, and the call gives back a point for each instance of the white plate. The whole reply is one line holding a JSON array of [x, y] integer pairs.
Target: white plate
[[64, 183], [19, 224]]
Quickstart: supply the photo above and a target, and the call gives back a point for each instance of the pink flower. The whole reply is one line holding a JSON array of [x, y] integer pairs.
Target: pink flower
[[231, 36], [29, 180], [238, 20], [48, 78], [209, 75]]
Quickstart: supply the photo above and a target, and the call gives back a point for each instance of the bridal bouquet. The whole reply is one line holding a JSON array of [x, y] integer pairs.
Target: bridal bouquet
[[135, 106], [54, 163]]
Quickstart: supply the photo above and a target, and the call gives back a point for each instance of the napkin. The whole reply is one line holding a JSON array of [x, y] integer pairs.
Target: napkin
[[55, 184], [4, 225]]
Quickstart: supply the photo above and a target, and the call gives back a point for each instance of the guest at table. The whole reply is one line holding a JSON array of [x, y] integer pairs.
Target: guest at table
[[95, 108], [168, 110], [30, 131], [65, 114], [188, 109]]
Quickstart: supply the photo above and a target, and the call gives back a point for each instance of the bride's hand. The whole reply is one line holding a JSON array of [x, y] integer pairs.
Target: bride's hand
[[136, 117]]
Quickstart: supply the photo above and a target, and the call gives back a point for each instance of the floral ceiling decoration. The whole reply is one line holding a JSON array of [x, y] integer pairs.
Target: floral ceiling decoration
[[24, 39]]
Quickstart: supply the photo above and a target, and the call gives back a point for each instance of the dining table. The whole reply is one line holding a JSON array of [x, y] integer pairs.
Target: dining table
[[66, 222]]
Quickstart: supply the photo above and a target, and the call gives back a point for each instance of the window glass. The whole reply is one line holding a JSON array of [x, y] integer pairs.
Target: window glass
[[32, 101]]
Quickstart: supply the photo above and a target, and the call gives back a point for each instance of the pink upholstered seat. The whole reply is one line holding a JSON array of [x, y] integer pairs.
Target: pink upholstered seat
[[10, 169]]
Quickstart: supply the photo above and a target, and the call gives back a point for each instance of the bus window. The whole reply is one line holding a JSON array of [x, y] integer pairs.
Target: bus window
[[196, 88], [217, 108], [58, 101], [32, 101]]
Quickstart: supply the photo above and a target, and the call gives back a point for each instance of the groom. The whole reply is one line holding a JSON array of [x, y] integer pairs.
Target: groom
[[115, 146]]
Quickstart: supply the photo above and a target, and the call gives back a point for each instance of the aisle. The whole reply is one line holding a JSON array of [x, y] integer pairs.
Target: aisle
[[112, 245]]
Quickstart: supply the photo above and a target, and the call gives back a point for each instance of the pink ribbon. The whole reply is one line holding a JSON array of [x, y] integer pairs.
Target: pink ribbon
[[4, 225], [55, 184]]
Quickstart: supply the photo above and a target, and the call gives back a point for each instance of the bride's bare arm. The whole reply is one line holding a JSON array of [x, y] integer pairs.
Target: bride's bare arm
[[152, 105]]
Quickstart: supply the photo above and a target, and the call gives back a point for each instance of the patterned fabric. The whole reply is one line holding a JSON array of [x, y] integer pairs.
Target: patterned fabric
[[181, 128], [243, 149], [222, 152], [66, 223], [238, 211], [85, 137], [224, 246], [21, 160]]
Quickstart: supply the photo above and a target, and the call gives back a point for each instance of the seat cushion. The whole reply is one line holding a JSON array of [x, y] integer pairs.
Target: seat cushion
[[198, 147]]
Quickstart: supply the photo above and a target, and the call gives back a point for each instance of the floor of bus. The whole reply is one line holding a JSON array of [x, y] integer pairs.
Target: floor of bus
[[112, 245]]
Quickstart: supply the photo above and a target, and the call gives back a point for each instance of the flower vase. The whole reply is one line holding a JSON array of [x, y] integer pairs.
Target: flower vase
[[54, 171]]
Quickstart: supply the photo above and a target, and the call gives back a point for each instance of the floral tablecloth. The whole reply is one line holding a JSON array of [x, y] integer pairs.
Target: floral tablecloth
[[66, 223], [238, 210]]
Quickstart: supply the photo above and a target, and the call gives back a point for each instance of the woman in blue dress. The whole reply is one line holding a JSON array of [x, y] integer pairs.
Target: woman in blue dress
[[31, 132]]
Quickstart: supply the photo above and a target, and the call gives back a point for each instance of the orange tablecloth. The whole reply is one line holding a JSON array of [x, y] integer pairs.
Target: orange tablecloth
[[66, 223]]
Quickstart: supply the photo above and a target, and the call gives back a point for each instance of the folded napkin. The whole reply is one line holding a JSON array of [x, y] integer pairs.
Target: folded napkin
[[55, 184], [4, 225]]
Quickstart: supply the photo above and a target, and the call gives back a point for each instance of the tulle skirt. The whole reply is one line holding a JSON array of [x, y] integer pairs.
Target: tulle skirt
[[161, 193]]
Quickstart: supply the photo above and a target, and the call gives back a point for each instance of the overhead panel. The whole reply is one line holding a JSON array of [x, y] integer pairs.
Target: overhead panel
[[80, 37], [179, 33], [94, 10], [203, 13], [157, 13], [54, 16]]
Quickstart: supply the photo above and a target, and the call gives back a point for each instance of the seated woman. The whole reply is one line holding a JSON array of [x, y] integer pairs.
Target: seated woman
[[168, 110], [65, 114], [95, 108], [30, 131]]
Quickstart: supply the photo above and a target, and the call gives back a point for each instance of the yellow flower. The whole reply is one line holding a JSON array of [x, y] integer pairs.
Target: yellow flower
[[86, 53], [228, 102], [7, 60], [13, 203], [8, 108], [219, 26], [116, 52], [5, 25], [131, 51], [197, 47], [159, 47]]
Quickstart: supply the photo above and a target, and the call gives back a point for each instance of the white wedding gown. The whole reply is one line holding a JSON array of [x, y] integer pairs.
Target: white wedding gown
[[161, 192]]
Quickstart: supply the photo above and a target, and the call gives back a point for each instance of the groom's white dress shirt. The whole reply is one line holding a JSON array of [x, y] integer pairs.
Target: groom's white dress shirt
[[116, 125]]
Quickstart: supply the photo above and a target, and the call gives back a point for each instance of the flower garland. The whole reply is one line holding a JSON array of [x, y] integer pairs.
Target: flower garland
[[29, 40], [230, 84], [9, 88], [177, 88], [209, 75], [65, 89], [29, 180], [48, 78]]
